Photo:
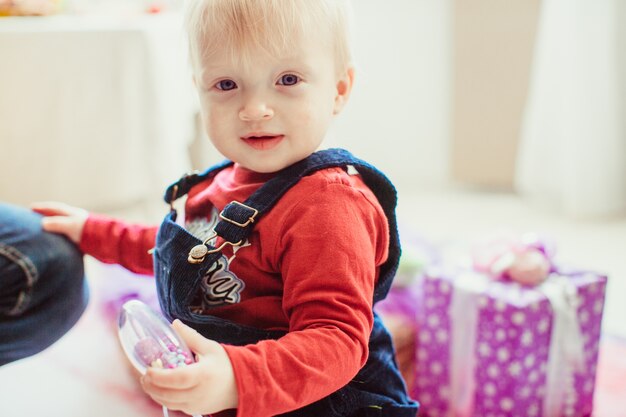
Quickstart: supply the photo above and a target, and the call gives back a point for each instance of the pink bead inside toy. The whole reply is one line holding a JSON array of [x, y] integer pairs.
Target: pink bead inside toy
[[149, 340]]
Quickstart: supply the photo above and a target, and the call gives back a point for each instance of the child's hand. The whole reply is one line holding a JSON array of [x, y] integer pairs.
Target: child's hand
[[204, 387], [62, 218]]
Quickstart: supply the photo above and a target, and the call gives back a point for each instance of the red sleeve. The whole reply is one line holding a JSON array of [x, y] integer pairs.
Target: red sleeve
[[329, 248], [115, 242]]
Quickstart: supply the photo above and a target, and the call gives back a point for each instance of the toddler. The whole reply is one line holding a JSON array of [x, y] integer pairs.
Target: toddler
[[282, 252]]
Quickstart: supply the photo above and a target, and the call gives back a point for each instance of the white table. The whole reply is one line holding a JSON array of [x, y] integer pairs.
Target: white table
[[94, 111]]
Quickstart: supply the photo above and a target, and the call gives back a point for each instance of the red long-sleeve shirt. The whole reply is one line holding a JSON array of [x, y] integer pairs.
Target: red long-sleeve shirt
[[308, 268]]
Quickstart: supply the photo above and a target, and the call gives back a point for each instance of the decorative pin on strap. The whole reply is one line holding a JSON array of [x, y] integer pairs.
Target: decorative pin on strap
[[198, 253]]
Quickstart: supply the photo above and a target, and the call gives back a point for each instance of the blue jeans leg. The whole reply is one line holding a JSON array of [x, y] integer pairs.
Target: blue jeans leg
[[43, 292]]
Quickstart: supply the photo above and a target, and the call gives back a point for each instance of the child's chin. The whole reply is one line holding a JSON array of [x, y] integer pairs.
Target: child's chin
[[267, 166], [270, 169]]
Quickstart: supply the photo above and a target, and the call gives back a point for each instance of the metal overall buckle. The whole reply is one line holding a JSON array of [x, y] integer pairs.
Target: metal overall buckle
[[236, 223]]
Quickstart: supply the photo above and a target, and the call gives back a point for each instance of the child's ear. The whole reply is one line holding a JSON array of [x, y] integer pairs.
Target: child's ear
[[344, 88]]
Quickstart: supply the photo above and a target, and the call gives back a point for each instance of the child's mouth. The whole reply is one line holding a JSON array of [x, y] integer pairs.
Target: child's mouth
[[263, 142]]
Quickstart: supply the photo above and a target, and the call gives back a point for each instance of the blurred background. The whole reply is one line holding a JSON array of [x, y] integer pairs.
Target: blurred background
[[489, 116]]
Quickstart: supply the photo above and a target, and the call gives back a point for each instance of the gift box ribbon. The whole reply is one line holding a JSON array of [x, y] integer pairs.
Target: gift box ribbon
[[566, 354]]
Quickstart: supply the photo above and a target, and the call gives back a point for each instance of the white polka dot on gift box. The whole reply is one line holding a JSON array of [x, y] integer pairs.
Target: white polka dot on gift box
[[513, 343]]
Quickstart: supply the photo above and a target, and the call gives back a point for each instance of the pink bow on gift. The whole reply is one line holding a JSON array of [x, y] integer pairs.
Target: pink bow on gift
[[526, 259]]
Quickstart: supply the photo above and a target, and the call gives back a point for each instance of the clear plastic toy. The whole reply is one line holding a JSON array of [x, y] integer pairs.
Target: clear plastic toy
[[149, 340]]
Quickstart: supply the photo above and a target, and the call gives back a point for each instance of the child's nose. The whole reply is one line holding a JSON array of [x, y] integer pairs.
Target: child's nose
[[254, 110]]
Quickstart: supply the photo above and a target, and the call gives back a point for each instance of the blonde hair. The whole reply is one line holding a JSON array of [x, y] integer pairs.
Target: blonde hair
[[270, 25]]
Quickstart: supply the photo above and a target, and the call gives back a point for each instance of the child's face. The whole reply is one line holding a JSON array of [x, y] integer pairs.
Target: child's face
[[275, 111]]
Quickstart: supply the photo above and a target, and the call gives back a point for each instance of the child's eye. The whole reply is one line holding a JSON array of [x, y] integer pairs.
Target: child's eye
[[226, 85], [289, 79]]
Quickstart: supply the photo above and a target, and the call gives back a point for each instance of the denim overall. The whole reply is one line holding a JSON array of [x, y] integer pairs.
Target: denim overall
[[181, 261]]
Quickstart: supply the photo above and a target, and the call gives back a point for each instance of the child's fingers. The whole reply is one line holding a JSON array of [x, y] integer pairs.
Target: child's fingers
[[52, 208], [168, 397], [71, 227], [178, 379], [57, 224], [194, 340]]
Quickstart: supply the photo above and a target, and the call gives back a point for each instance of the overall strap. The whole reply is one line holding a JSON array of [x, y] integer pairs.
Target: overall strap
[[187, 181]]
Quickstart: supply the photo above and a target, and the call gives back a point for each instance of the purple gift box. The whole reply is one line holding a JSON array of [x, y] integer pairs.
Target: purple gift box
[[492, 349]]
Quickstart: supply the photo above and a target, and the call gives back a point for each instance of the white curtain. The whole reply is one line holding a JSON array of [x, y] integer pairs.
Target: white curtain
[[572, 152]]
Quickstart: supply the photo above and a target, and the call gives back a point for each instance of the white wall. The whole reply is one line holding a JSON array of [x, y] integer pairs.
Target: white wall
[[399, 113]]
